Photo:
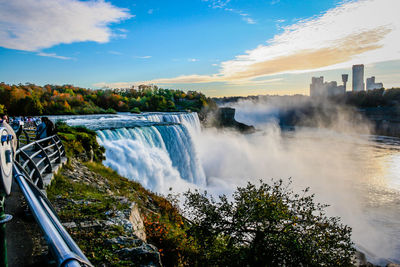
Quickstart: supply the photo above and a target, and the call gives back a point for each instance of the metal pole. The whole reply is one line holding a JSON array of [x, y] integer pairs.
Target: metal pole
[[4, 218]]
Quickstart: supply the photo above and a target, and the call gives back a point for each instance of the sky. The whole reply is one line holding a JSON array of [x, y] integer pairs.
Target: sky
[[218, 47]]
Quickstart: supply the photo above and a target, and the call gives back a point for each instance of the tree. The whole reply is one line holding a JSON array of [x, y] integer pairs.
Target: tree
[[2, 109], [267, 225]]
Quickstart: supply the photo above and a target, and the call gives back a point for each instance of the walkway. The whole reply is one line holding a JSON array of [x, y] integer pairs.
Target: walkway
[[39, 160]]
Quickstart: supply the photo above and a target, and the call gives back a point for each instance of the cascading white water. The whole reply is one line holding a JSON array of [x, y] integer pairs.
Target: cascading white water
[[190, 120], [160, 156]]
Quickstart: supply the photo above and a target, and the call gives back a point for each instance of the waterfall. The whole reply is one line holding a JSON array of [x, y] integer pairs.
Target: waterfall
[[190, 120], [158, 156]]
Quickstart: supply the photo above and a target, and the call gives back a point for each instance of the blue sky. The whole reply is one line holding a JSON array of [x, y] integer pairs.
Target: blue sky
[[219, 47]]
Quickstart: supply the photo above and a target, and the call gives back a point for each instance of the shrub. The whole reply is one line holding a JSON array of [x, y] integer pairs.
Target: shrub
[[135, 110], [267, 225], [80, 142]]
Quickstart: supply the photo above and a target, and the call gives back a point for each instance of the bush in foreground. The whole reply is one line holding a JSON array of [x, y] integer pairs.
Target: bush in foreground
[[266, 225]]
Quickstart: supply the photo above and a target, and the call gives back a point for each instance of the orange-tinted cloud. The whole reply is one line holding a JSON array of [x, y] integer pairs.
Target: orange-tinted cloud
[[343, 51]]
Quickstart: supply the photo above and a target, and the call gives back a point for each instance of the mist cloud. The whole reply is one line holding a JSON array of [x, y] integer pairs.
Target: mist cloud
[[337, 161]]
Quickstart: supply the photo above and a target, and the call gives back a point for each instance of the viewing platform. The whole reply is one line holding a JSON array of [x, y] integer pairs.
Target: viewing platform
[[44, 242]]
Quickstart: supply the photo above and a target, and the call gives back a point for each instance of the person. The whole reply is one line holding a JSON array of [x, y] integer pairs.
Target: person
[[41, 130], [4, 123], [50, 129]]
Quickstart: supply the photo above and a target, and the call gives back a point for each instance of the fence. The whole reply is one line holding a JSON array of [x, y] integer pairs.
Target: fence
[[63, 248], [39, 159], [26, 136], [34, 165]]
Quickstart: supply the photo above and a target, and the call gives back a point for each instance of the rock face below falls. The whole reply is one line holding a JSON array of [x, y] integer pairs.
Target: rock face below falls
[[225, 117], [104, 214]]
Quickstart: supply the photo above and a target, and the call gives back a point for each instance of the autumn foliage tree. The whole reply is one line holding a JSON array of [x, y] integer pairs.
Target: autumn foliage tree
[[30, 99]]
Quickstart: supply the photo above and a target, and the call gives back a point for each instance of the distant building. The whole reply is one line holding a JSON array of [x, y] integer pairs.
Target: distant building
[[371, 84], [358, 78], [316, 86], [345, 78], [319, 88]]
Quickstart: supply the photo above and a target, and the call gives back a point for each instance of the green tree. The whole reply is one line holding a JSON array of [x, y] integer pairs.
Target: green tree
[[267, 225], [2, 109]]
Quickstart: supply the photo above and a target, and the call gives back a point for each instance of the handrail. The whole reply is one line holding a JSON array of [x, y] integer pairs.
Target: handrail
[[63, 248], [25, 136], [37, 158]]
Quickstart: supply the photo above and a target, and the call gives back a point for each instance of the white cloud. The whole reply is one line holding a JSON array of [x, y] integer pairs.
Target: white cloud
[[115, 53], [143, 57], [217, 3], [192, 59], [54, 55], [365, 31], [223, 3], [32, 25], [123, 30], [249, 20]]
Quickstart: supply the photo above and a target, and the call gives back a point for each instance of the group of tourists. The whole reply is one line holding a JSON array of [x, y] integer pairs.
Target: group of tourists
[[28, 122], [44, 126]]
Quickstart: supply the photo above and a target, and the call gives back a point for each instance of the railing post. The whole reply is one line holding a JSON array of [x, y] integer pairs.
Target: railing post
[[62, 146], [4, 218], [28, 140], [39, 183], [58, 149], [50, 168]]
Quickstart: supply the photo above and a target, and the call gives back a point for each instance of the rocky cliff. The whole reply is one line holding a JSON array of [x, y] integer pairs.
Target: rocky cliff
[[225, 118], [104, 212]]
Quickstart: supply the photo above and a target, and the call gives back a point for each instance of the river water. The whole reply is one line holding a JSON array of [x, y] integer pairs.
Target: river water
[[358, 175]]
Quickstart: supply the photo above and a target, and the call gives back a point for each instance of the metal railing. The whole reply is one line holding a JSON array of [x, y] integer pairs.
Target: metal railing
[[38, 158], [63, 248], [26, 136], [35, 159]]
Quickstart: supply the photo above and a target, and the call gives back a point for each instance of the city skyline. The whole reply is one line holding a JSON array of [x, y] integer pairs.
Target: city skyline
[[319, 87], [218, 47]]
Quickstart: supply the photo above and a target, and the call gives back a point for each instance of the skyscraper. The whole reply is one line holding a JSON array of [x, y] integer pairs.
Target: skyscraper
[[358, 78], [371, 84], [345, 78], [319, 88]]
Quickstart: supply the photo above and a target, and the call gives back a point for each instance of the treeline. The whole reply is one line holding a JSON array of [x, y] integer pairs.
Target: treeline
[[371, 98], [30, 99]]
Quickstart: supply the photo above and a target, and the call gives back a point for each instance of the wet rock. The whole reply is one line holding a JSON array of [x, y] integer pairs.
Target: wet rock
[[360, 260], [135, 218], [225, 117], [146, 255], [126, 241]]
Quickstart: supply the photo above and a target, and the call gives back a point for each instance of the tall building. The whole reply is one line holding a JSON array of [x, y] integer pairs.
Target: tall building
[[345, 78], [358, 78], [371, 84], [319, 88], [316, 85]]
